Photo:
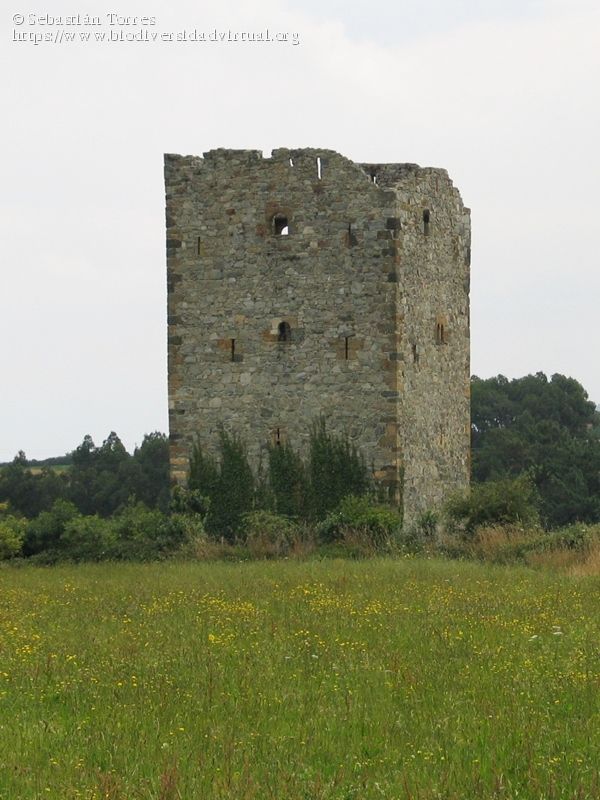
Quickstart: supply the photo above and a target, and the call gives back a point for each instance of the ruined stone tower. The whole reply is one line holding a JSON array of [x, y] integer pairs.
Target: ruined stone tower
[[305, 285]]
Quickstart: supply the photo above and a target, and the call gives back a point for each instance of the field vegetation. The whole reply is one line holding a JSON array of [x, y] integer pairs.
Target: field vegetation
[[323, 679], [291, 636]]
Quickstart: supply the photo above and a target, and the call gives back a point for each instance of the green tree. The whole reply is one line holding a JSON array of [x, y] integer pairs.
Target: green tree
[[335, 470], [503, 502], [203, 479], [228, 484], [45, 531], [101, 476], [83, 476], [548, 428], [12, 533], [287, 481], [151, 460], [30, 492]]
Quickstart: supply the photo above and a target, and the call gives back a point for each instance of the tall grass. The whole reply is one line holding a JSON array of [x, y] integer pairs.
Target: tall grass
[[586, 565], [287, 680]]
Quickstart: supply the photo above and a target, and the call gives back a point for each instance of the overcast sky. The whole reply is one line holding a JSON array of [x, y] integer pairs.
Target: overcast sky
[[503, 94]]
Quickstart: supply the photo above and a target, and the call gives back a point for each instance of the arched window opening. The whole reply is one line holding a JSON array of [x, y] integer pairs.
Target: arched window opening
[[426, 221], [280, 225], [284, 332]]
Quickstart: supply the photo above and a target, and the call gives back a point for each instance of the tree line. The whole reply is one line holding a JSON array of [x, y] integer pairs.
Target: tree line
[[97, 479], [112, 505], [544, 428]]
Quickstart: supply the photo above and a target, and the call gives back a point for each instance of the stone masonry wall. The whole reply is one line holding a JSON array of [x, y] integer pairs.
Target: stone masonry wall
[[339, 318]]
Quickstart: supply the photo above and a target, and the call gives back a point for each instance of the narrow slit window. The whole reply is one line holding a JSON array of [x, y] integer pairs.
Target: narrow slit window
[[351, 240], [440, 333], [374, 177], [426, 221], [278, 437], [291, 162], [198, 246], [346, 347], [233, 349], [415, 354], [284, 332], [319, 168], [280, 225]]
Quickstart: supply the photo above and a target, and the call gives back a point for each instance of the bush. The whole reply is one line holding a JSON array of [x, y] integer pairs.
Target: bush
[[421, 535], [138, 533], [335, 470], [578, 536], [268, 535], [497, 544], [228, 484], [189, 501], [504, 502], [509, 544], [353, 543], [88, 539], [287, 481], [359, 515], [12, 535], [143, 534], [182, 533], [45, 531]]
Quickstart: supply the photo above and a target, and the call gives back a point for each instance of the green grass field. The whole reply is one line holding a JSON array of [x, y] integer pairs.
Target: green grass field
[[339, 679]]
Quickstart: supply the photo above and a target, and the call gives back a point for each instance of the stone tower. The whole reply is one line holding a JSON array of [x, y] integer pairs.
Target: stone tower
[[303, 286]]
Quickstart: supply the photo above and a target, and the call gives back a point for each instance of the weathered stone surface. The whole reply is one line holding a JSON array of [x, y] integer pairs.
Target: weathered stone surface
[[371, 275]]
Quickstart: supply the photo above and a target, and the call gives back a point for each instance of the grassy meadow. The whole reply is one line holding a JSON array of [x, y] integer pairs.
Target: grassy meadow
[[407, 678]]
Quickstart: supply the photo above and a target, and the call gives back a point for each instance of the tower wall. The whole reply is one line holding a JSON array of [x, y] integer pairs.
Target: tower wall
[[433, 318], [351, 289]]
